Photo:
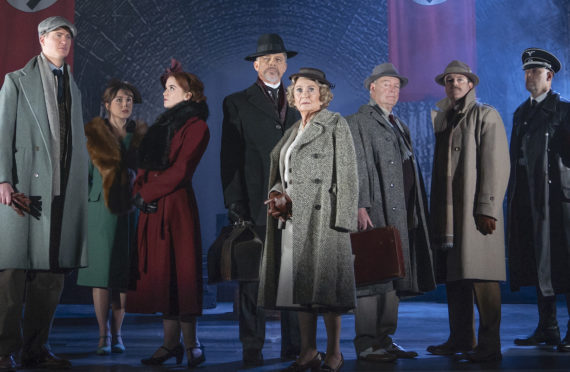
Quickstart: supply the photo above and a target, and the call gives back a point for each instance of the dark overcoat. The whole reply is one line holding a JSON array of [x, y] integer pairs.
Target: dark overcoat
[[545, 137], [324, 194], [381, 192], [250, 130]]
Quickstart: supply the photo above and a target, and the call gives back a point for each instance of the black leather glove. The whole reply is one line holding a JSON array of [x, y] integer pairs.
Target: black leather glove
[[238, 211], [144, 207]]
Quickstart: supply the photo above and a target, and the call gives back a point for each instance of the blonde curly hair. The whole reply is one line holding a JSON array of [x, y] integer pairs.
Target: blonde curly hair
[[325, 97]]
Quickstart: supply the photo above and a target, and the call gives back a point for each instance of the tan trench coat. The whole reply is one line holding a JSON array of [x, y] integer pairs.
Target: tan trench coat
[[480, 169]]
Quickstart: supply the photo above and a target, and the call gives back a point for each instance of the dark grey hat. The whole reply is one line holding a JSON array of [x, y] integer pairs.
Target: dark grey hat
[[536, 57], [53, 23], [313, 74], [457, 67], [385, 69], [270, 44]]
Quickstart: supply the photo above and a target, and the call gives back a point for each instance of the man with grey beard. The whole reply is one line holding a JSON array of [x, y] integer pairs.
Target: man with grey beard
[[254, 121]]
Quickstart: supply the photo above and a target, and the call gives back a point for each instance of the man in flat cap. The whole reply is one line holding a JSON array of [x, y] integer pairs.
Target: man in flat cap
[[469, 180], [254, 121], [43, 159], [539, 196], [391, 192]]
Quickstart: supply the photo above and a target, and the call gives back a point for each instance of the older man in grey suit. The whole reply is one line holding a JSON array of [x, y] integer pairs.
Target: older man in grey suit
[[391, 192], [43, 159]]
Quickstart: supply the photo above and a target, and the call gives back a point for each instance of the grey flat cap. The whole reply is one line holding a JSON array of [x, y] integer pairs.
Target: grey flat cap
[[53, 23]]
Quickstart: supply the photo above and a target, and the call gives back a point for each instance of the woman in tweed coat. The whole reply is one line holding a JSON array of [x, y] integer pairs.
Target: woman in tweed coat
[[313, 199]]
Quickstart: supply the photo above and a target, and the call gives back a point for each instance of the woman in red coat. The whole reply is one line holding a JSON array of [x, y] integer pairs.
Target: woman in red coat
[[168, 237]]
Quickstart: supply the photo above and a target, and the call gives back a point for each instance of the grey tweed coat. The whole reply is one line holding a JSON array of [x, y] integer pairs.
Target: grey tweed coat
[[324, 190]]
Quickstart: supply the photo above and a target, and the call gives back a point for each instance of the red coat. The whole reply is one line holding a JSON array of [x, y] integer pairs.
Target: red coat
[[169, 243]]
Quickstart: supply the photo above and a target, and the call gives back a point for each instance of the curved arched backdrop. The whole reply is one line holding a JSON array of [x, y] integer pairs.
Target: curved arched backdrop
[[134, 40]]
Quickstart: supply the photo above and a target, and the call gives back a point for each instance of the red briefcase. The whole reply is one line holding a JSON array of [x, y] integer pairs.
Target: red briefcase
[[378, 256]]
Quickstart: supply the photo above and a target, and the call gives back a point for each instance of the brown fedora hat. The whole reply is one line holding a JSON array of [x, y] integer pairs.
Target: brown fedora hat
[[313, 74], [384, 69], [270, 44], [457, 67]]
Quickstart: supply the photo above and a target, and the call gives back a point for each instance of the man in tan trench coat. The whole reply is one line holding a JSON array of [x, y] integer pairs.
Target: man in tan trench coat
[[469, 179]]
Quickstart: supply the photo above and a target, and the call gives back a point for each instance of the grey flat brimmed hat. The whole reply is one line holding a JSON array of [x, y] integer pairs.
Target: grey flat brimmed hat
[[536, 57], [457, 67], [53, 23], [385, 69], [270, 44], [313, 74]]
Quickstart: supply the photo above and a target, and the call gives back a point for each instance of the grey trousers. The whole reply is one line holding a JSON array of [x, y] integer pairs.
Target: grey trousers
[[375, 319], [37, 294]]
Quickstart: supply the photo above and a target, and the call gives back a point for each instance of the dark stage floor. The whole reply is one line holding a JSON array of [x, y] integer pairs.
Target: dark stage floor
[[421, 324]]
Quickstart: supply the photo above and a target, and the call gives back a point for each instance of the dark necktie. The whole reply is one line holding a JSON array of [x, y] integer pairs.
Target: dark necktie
[[59, 76], [274, 93], [533, 103]]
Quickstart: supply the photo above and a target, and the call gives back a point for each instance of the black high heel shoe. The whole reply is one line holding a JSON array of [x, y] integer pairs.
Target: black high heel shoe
[[177, 351], [194, 361], [327, 368], [314, 365]]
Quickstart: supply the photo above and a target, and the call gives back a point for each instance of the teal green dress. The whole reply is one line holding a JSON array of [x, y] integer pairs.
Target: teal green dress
[[109, 238]]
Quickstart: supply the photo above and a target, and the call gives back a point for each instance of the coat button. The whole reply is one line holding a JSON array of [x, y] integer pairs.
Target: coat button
[[391, 162], [37, 148], [290, 170], [492, 198], [456, 148], [36, 175], [393, 208], [525, 123], [317, 207], [278, 127], [315, 156], [316, 180], [391, 185]]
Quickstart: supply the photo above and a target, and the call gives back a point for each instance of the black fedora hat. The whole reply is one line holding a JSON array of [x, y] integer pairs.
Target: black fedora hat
[[313, 74], [385, 69], [536, 57], [270, 44]]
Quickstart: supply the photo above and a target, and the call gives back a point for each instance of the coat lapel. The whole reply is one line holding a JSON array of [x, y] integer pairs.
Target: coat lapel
[[258, 99], [31, 83]]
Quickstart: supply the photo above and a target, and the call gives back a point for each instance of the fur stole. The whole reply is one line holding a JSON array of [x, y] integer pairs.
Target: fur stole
[[155, 146], [113, 161]]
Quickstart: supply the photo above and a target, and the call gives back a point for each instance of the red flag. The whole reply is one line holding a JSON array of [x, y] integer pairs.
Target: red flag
[[19, 21], [424, 36]]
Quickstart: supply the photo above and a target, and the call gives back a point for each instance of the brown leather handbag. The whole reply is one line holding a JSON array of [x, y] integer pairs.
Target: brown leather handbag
[[378, 256], [235, 255]]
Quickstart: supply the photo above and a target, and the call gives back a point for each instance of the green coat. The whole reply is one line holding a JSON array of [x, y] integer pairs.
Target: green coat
[[110, 233], [26, 163]]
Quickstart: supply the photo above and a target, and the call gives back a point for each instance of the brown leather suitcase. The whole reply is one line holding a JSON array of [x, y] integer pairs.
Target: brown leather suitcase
[[378, 255]]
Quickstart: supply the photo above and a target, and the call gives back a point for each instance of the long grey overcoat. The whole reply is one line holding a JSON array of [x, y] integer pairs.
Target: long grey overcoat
[[25, 162], [480, 173], [381, 192], [324, 191]]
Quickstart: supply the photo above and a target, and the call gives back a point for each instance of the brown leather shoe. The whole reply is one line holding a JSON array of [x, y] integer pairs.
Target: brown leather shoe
[[45, 359], [400, 352], [378, 355], [7, 363], [448, 348]]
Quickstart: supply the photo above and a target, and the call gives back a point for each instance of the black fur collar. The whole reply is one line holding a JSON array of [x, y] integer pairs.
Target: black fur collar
[[155, 146]]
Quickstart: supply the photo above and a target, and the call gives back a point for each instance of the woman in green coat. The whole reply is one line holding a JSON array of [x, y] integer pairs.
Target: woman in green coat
[[112, 145]]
